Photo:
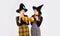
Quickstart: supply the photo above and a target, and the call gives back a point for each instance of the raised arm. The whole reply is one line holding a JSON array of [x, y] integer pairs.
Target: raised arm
[[39, 21]]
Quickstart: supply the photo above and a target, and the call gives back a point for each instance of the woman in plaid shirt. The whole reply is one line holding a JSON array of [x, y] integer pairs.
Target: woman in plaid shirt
[[22, 21]]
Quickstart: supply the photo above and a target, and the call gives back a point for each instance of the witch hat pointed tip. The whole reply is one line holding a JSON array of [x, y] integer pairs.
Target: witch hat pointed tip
[[40, 6]]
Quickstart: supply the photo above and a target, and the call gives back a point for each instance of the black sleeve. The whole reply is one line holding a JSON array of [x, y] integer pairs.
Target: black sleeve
[[39, 22], [28, 23], [18, 24]]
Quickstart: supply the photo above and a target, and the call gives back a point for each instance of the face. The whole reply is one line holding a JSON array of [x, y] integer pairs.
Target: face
[[22, 11], [35, 12]]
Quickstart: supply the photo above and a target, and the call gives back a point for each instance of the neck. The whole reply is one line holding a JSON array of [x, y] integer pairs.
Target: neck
[[22, 15]]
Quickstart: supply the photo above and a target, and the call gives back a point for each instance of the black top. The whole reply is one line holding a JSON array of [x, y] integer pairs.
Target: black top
[[38, 22], [22, 22]]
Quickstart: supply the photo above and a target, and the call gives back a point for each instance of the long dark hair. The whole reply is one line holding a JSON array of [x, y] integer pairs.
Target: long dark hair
[[39, 14]]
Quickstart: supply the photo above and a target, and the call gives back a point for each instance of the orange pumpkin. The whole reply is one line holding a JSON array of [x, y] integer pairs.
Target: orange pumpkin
[[31, 19], [23, 18]]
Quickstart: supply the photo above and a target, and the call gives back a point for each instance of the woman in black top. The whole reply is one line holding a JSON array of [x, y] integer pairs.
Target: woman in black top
[[35, 30]]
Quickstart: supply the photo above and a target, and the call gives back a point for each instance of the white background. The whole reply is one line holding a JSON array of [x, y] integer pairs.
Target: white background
[[50, 12]]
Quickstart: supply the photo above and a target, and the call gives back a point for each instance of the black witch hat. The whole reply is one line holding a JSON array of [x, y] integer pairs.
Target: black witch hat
[[38, 8], [21, 6]]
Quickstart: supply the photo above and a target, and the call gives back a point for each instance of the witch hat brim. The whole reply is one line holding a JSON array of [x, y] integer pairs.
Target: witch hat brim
[[20, 10], [34, 7]]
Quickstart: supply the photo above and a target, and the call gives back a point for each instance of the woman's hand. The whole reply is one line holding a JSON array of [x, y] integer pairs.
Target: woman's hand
[[36, 17], [26, 19]]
